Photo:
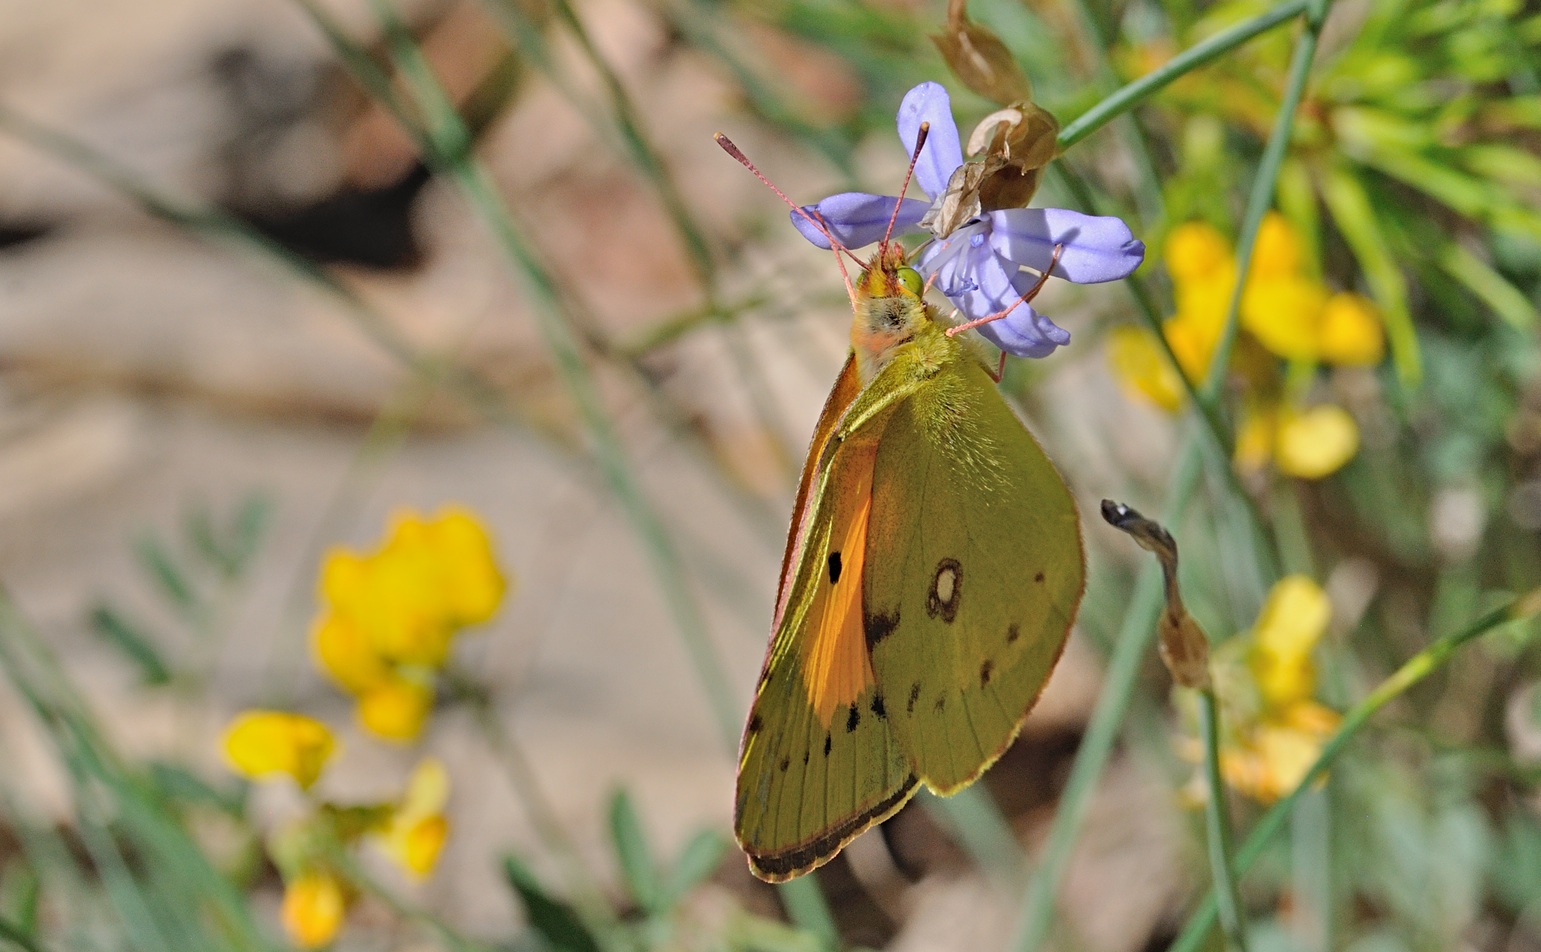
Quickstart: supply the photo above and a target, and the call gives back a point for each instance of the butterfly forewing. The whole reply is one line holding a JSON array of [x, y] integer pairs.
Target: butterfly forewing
[[975, 569], [819, 762]]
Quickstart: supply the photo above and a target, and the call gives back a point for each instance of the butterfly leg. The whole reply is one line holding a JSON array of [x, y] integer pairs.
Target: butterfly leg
[[1027, 295]]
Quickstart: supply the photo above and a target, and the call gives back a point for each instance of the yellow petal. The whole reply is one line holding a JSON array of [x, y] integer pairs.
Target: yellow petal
[[344, 580], [1351, 331], [346, 654], [1293, 620], [260, 744], [1196, 250], [395, 709], [1255, 440], [472, 586], [313, 909], [1277, 253], [1284, 314], [1193, 334], [1140, 366], [415, 845], [427, 789], [1316, 443]]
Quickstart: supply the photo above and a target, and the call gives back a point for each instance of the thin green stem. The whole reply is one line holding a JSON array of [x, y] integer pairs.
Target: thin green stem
[[1217, 824], [1185, 62], [1415, 669]]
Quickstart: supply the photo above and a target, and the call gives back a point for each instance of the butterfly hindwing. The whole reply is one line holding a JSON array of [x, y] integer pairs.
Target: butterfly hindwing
[[980, 574]]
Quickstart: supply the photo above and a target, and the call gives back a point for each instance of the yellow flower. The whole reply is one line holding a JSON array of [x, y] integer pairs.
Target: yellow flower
[[313, 909], [1351, 331], [262, 744], [415, 834], [396, 708], [1284, 307], [429, 579], [343, 650], [1277, 252], [1275, 728], [1140, 365], [1293, 619], [1196, 250], [1307, 444], [1284, 314], [1275, 754]]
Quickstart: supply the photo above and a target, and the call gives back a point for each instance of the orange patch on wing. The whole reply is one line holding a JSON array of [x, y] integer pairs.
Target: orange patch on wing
[[836, 665]]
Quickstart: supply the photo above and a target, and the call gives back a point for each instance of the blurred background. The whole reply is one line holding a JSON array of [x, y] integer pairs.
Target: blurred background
[[274, 275]]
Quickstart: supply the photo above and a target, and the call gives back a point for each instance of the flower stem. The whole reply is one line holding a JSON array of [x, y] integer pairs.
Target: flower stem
[[1415, 669], [1217, 824], [1185, 62]]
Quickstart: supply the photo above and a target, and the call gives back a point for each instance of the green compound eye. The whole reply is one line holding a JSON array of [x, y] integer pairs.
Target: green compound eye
[[910, 278]]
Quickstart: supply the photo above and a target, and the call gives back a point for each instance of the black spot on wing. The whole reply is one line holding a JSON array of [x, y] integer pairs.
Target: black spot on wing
[[828, 743], [1038, 577], [878, 707], [914, 696], [984, 672], [852, 719], [941, 703], [785, 763], [834, 568], [755, 723], [1013, 632], [878, 625]]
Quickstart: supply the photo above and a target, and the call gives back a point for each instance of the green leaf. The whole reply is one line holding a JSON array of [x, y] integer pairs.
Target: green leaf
[[251, 525], [700, 857], [636, 858], [552, 919], [132, 642], [1492, 288], [200, 530], [230, 549], [165, 573], [176, 783]]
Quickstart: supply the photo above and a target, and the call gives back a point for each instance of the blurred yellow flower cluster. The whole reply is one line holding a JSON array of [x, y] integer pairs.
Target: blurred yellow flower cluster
[[1274, 727], [388, 621], [1286, 312], [389, 616], [269, 745]]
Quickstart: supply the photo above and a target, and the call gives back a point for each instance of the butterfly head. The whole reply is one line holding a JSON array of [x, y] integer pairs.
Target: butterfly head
[[888, 309]]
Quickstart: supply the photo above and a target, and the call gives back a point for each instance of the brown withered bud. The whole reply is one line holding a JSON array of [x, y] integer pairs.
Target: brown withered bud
[[1016, 143], [978, 57], [1183, 646]]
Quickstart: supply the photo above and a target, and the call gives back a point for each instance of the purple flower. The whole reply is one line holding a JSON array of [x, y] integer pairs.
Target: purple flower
[[979, 265]]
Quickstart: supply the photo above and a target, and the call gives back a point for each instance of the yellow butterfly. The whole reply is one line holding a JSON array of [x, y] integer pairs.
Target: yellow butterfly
[[931, 575]]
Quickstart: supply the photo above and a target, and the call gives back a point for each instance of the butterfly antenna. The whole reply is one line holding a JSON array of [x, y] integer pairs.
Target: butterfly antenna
[[1027, 295], [920, 143], [814, 220]]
